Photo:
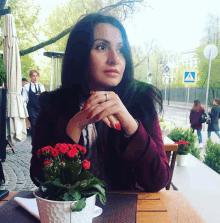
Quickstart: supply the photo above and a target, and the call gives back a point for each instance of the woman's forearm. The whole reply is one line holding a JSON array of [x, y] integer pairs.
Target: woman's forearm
[[73, 131]]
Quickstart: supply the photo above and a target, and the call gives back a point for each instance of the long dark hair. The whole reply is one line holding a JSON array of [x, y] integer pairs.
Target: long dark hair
[[76, 61], [142, 100]]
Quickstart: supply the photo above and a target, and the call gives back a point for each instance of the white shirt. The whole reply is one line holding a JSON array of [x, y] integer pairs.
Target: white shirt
[[26, 90]]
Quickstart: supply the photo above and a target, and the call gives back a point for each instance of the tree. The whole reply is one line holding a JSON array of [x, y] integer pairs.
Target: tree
[[25, 15], [141, 61], [27, 63], [67, 17], [203, 66]]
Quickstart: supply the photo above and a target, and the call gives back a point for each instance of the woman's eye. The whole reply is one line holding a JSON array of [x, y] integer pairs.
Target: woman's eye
[[120, 50], [100, 47]]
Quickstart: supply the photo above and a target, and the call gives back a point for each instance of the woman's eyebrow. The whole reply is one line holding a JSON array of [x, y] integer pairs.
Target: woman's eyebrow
[[106, 41]]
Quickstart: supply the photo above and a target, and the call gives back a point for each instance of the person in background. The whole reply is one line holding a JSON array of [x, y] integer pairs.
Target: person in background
[[28, 125], [23, 82], [31, 92], [215, 115], [195, 114]]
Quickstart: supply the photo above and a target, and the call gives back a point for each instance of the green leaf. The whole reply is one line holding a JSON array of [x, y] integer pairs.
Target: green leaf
[[57, 183], [67, 197], [85, 175], [97, 181], [75, 194], [71, 172], [75, 185], [79, 205], [101, 193]]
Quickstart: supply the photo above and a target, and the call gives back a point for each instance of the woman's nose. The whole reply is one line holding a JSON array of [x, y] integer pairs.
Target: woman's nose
[[112, 57]]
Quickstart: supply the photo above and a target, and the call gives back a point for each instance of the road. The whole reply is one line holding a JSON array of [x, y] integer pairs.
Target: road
[[176, 116]]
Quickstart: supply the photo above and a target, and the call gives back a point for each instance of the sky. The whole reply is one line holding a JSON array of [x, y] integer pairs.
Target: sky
[[174, 25]]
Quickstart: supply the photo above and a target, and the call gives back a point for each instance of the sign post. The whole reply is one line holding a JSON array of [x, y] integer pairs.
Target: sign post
[[210, 52], [166, 74], [189, 78]]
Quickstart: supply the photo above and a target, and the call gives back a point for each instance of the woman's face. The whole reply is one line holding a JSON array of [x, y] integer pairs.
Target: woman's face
[[107, 64]]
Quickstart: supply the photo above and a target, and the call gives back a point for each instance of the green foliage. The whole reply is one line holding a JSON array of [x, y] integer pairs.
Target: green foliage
[[161, 119], [203, 66], [27, 25], [2, 71], [195, 151], [212, 156], [178, 133], [27, 64], [25, 15], [66, 15]]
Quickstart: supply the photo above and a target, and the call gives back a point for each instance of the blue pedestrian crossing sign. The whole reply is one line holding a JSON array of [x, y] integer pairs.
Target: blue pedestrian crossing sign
[[189, 77]]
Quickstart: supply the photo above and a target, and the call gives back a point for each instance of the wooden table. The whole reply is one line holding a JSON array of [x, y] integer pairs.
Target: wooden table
[[164, 206]]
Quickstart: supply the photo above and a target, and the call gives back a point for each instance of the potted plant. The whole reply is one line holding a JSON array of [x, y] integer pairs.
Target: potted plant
[[69, 190], [182, 152]]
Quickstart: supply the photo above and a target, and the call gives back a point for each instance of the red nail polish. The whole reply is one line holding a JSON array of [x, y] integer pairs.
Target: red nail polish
[[84, 107], [89, 116], [118, 126], [96, 118], [92, 92], [111, 126]]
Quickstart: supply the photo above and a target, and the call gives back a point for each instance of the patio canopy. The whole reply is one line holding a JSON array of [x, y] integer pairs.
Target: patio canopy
[[16, 111]]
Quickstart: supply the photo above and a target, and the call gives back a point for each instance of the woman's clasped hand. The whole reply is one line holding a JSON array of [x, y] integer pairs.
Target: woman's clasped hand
[[105, 106]]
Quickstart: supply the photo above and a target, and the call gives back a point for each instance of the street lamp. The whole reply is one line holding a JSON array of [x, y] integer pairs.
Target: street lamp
[[149, 80], [159, 58]]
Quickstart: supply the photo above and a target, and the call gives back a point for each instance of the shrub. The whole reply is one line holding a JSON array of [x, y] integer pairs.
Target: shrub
[[178, 133], [2, 71], [212, 156]]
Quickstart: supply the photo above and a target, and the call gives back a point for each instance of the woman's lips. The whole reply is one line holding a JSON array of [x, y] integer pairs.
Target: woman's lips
[[111, 71]]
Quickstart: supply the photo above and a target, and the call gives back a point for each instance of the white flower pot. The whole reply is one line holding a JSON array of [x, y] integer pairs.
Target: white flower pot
[[60, 211], [182, 160]]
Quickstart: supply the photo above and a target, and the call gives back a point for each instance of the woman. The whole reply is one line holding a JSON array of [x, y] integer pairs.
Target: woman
[[195, 115], [102, 107], [214, 114]]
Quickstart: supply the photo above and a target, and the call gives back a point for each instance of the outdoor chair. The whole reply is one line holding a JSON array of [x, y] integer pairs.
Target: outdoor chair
[[171, 152]]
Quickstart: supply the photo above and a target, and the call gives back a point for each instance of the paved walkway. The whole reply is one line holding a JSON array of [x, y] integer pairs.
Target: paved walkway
[[16, 167]]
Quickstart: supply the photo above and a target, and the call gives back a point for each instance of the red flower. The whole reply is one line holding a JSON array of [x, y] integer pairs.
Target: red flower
[[54, 152], [62, 147], [47, 162], [46, 149], [39, 152], [80, 148], [86, 164], [182, 142], [72, 152]]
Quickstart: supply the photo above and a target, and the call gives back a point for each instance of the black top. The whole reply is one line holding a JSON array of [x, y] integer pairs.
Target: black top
[[214, 114]]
